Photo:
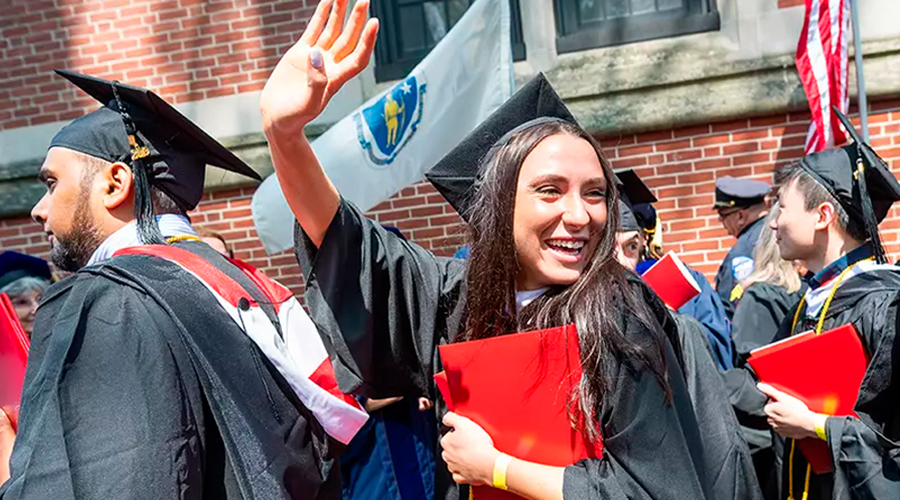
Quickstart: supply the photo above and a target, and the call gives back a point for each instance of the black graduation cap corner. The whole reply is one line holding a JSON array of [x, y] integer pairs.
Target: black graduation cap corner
[[632, 193], [15, 265], [859, 179], [457, 173], [163, 147]]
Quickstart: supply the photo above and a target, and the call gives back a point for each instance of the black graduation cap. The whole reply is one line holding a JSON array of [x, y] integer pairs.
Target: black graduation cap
[[163, 147], [459, 171], [858, 179], [632, 193], [736, 192], [15, 265]]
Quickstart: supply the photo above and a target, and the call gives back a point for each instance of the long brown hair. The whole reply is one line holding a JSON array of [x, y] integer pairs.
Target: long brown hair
[[600, 303]]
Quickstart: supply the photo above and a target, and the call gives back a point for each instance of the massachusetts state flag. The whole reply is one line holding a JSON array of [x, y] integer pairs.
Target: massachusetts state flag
[[822, 58], [390, 141]]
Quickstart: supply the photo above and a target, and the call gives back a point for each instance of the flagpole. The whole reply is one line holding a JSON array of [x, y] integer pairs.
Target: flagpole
[[860, 77]]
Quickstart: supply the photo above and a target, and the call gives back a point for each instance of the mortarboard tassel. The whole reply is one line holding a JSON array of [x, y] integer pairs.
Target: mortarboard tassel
[[869, 219], [148, 229]]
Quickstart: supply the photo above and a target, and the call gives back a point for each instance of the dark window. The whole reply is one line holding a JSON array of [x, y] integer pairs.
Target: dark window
[[410, 28], [585, 24]]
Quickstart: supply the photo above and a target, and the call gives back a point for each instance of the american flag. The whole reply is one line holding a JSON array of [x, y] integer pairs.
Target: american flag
[[822, 58]]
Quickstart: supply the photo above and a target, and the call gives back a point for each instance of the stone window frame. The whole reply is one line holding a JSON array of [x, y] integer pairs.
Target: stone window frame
[[392, 62], [696, 16]]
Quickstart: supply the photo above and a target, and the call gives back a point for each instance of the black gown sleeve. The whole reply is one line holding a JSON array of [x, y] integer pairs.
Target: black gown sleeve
[[105, 411], [728, 463], [869, 463], [382, 305], [757, 318], [866, 450], [651, 448]]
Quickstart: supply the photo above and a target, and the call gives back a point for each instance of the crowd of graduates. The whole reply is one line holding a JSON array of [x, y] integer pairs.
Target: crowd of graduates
[[161, 367]]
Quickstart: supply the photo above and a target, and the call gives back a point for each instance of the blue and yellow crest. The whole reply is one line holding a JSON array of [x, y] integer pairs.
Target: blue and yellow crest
[[387, 125]]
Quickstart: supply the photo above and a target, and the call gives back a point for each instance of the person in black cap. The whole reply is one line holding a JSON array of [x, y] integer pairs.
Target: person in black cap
[[720, 433], [541, 202], [24, 279], [145, 378], [638, 230], [741, 205], [830, 204]]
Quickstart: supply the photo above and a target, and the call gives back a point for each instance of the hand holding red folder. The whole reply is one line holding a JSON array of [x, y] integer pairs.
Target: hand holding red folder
[[517, 388], [824, 371]]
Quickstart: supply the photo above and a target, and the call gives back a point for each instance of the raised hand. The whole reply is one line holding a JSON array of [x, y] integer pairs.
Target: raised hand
[[327, 55]]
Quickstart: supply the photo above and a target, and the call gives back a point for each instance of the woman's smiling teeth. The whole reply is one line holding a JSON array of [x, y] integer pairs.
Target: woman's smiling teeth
[[570, 247]]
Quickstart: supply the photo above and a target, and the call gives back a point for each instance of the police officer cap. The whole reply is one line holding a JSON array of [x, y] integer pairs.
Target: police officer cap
[[735, 192]]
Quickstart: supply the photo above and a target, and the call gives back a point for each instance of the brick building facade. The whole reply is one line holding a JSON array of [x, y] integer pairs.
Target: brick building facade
[[202, 50]]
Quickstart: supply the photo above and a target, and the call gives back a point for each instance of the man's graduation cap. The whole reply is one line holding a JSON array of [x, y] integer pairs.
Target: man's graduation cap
[[163, 147], [632, 194], [858, 179], [457, 174], [15, 265]]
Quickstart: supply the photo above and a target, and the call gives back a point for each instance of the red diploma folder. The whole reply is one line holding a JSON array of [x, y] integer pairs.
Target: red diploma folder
[[824, 371], [13, 355], [672, 281], [517, 388]]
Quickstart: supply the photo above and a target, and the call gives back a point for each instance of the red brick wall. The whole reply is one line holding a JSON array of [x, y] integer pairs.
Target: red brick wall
[[680, 165], [185, 49]]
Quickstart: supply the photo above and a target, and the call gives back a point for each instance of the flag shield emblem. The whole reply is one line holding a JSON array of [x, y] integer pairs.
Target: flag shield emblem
[[384, 128]]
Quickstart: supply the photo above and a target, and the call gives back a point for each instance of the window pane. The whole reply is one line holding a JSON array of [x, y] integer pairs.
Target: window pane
[[590, 10], [436, 24], [617, 8], [457, 8], [643, 7], [670, 4], [411, 29]]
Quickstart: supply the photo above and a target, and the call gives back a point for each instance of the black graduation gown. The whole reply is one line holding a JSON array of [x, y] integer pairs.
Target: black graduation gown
[[140, 386], [864, 451], [758, 316], [384, 305], [757, 319], [724, 448]]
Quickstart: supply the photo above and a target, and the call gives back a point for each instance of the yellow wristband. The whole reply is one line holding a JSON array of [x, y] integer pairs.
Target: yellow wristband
[[820, 429], [500, 466]]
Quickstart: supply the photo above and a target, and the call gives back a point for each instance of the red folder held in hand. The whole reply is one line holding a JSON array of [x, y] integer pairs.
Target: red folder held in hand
[[517, 387], [824, 371], [13, 355], [672, 281]]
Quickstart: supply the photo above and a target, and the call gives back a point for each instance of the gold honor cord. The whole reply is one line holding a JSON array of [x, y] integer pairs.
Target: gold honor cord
[[183, 237]]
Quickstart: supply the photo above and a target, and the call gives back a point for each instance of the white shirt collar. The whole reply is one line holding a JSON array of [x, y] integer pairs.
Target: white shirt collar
[[526, 297], [127, 236]]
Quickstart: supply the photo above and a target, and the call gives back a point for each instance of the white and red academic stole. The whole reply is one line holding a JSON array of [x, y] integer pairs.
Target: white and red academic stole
[[299, 356]]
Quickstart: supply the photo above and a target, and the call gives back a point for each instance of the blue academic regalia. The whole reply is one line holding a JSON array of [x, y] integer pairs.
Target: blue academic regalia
[[708, 309], [392, 456]]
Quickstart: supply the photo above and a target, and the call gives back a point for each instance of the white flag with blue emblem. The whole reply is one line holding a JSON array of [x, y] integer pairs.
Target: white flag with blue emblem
[[390, 141]]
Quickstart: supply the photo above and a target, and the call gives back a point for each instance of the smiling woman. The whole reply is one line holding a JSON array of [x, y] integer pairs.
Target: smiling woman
[[540, 198]]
